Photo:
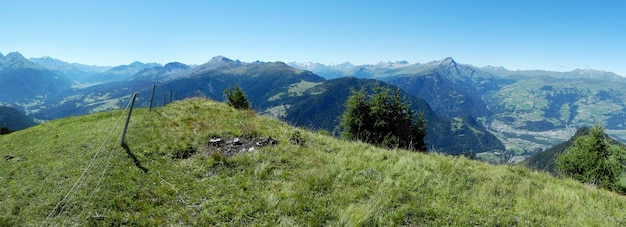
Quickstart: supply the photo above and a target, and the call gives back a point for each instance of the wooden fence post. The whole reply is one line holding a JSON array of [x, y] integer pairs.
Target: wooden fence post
[[132, 103], [164, 99], [152, 97], [171, 95]]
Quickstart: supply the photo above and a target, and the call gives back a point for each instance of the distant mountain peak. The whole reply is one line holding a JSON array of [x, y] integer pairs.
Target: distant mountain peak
[[443, 62], [221, 61], [448, 61], [390, 64], [221, 58], [172, 66], [15, 56], [404, 62], [495, 68], [1, 56], [136, 63], [161, 73], [16, 60], [46, 59]]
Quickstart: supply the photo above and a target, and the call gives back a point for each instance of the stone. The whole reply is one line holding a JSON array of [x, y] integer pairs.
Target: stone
[[215, 142], [236, 141], [266, 141]]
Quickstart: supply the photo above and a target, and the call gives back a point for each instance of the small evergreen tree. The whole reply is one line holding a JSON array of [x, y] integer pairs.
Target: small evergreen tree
[[237, 98], [383, 119], [356, 119], [5, 130], [592, 160]]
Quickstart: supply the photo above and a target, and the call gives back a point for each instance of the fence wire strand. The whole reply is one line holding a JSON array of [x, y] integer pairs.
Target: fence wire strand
[[87, 169]]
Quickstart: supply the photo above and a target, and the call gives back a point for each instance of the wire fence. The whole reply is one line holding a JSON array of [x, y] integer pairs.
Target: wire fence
[[94, 173], [90, 172]]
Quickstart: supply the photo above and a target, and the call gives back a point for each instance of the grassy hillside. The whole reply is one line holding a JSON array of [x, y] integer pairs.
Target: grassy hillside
[[170, 175]]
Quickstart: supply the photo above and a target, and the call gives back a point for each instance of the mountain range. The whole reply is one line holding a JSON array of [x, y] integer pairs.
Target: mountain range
[[469, 109], [528, 110], [89, 75], [25, 83]]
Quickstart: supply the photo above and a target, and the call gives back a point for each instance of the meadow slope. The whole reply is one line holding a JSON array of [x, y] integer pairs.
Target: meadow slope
[[73, 171]]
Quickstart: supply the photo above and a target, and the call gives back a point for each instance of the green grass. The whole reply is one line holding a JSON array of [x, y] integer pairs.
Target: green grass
[[322, 181], [299, 88], [296, 89]]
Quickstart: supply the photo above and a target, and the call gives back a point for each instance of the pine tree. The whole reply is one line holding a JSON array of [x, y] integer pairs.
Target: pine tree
[[592, 160], [237, 98], [383, 119], [5, 130], [356, 119]]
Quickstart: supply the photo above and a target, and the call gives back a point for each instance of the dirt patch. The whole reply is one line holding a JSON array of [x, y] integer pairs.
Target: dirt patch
[[228, 147]]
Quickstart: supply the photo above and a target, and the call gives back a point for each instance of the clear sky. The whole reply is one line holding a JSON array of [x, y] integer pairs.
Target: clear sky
[[528, 34]]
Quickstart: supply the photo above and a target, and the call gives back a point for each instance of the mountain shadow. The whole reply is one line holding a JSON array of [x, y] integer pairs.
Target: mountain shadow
[[14, 119]]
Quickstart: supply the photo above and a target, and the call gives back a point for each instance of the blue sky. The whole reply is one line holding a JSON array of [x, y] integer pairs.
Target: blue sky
[[549, 35]]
